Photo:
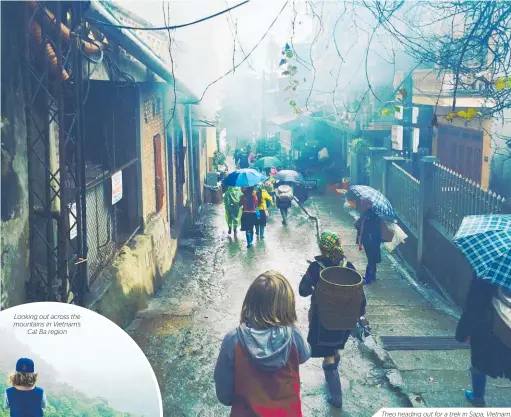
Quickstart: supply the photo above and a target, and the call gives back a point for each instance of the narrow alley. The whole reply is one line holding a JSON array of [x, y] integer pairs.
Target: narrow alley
[[182, 330]]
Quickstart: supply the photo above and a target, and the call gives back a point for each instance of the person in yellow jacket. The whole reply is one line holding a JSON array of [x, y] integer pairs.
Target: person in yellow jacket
[[264, 199]]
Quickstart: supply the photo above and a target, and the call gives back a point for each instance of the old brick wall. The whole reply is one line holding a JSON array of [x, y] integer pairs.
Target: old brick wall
[[152, 124]]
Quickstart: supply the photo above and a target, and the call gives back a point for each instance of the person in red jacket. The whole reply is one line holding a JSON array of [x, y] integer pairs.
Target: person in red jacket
[[257, 371]]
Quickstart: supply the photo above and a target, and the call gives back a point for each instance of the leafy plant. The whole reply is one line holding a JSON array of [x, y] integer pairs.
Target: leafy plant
[[468, 115], [291, 70], [359, 146]]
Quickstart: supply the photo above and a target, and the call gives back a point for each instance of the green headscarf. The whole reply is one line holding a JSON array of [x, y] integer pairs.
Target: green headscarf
[[331, 246]]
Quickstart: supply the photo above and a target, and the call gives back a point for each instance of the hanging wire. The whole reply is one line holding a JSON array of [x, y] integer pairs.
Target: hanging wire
[[169, 27]]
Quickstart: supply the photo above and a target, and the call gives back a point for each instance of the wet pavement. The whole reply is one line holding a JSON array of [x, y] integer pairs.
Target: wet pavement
[[183, 328], [201, 299]]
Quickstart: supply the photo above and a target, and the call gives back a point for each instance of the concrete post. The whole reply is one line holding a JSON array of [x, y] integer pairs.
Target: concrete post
[[426, 202], [387, 163], [377, 166]]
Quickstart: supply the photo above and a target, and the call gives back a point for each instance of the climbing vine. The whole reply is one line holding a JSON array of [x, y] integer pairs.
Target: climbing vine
[[288, 62]]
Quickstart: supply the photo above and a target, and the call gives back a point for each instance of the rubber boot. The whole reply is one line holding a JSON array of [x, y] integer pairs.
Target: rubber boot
[[261, 232], [476, 396], [333, 382], [250, 238], [230, 230], [257, 230]]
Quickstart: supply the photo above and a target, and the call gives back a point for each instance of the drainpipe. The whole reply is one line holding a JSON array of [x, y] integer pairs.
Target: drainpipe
[[191, 163], [132, 44]]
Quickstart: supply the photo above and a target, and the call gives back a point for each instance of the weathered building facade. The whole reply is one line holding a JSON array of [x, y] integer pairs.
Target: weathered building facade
[[99, 170]]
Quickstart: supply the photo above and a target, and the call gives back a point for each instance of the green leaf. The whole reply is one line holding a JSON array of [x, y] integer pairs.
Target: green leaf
[[286, 73], [500, 84], [397, 109], [289, 87], [292, 103], [289, 54], [385, 112], [508, 83], [305, 80]]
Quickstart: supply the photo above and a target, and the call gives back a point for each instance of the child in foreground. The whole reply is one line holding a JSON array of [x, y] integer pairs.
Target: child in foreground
[[257, 371], [24, 398]]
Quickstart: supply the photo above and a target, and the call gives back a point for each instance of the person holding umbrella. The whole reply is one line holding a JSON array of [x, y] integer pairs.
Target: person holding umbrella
[[374, 208], [486, 320], [247, 179], [284, 193]]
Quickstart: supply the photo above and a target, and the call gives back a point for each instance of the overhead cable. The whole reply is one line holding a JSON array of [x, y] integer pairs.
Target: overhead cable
[[246, 56], [99, 22]]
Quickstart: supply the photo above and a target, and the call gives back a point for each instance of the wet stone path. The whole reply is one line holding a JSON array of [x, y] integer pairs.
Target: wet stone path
[[201, 299]]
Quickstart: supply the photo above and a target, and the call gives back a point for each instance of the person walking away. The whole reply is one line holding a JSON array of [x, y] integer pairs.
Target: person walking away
[[326, 343], [232, 203], [369, 238], [257, 370], [237, 157], [264, 200], [24, 398], [284, 196], [273, 172], [486, 323], [249, 217], [243, 162]]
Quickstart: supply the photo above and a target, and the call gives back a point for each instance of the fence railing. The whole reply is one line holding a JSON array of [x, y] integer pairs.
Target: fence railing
[[456, 197], [100, 228], [403, 194]]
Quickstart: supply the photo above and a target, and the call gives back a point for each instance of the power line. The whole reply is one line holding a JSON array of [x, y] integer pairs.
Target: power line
[[169, 27], [246, 56]]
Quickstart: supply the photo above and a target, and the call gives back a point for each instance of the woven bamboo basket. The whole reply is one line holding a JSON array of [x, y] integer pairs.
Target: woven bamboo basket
[[339, 295]]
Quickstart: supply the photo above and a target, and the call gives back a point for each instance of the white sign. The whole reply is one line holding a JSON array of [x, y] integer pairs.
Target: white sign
[[72, 221], [116, 187], [397, 137]]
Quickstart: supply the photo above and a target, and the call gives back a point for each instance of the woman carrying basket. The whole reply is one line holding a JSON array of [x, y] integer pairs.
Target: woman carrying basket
[[326, 343]]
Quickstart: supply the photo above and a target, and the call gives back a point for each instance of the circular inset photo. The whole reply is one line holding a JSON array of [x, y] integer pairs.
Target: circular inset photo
[[58, 359]]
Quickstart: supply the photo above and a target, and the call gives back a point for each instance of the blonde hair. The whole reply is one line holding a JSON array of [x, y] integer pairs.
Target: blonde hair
[[270, 302], [23, 379]]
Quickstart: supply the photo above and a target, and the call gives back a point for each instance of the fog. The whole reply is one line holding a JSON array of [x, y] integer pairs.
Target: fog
[[99, 359], [340, 53]]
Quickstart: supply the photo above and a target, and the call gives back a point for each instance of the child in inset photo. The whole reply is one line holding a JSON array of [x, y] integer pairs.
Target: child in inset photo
[[24, 398]]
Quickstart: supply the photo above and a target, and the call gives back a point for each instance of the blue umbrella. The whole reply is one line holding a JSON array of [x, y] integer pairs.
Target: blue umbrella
[[288, 175], [246, 177], [485, 240], [381, 205]]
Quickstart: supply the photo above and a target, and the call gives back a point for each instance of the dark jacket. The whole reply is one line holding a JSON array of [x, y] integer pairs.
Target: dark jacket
[[369, 232], [323, 342], [257, 371], [25, 403], [487, 352]]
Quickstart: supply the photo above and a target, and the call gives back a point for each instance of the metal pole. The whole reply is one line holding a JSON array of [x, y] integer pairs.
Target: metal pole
[[63, 229], [80, 190], [28, 121]]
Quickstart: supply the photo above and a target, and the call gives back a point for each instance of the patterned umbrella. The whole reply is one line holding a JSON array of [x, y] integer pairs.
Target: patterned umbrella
[[485, 241], [246, 177], [288, 175], [268, 162], [381, 205]]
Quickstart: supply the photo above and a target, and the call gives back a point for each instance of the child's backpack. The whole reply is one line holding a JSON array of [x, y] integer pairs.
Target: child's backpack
[[285, 193]]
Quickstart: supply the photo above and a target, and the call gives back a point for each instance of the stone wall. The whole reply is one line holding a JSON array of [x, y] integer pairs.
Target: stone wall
[[14, 179], [126, 287]]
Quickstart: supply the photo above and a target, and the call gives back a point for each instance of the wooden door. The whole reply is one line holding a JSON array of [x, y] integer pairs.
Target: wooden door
[[159, 173], [461, 150]]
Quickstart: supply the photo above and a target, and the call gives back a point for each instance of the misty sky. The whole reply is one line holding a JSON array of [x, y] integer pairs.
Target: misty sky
[[204, 51], [99, 359]]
